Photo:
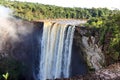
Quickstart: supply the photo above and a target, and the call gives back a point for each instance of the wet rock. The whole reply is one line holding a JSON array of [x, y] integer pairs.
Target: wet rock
[[85, 39], [111, 72]]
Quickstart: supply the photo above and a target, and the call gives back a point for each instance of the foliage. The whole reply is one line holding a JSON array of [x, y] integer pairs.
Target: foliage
[[6, 76], [94, 22], [115, 41], [109, 31], [15, 68], [35, 11]]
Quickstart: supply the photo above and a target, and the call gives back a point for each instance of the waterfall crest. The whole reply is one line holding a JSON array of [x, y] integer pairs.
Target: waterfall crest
[[56, 46]]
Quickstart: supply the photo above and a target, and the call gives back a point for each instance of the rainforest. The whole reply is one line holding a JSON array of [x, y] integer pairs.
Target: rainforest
[[48, 42]]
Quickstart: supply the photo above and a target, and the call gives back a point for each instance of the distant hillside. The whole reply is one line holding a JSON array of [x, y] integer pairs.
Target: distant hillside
[[35, 11]]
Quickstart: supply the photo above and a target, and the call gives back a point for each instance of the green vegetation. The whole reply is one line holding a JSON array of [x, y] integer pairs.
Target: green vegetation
[[15, 69], [36, 11], [112, 29], [5, 76], [109, 32]]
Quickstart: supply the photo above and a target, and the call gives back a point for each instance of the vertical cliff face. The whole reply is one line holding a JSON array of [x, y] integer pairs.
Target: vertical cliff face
[[85, 40], [94, 55]]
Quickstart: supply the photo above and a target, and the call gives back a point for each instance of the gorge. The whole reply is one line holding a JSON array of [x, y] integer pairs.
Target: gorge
[[47, 50]]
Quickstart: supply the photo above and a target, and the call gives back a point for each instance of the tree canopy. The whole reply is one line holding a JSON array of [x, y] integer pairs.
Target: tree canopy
[[36, 11]]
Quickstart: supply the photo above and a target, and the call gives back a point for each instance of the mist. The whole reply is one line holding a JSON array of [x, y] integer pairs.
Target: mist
[[11, 26], [12, 30]]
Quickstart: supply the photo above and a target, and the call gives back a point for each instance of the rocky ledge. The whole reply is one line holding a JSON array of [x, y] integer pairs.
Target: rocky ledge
[[111, 72]]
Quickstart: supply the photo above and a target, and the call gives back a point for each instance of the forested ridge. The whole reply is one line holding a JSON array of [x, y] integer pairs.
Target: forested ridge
[[36, 11]]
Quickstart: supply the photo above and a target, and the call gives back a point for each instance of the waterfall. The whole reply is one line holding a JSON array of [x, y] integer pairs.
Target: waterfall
[[56, 47]]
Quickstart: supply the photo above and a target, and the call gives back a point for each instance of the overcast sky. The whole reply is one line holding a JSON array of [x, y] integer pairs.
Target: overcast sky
[[111, 4]]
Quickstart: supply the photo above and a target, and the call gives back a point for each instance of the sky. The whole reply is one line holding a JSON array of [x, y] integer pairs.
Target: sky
[[111, 4]]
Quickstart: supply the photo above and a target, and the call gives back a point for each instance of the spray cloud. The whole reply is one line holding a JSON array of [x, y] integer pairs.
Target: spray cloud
[[10, 26], [11, 29]]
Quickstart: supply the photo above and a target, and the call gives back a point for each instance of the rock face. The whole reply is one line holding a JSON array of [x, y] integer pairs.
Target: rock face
[[112, 72], [20, 40], [85, 39], [94, 55]]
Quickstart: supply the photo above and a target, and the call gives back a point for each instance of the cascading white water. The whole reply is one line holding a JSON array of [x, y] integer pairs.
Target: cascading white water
[[56, 47]]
